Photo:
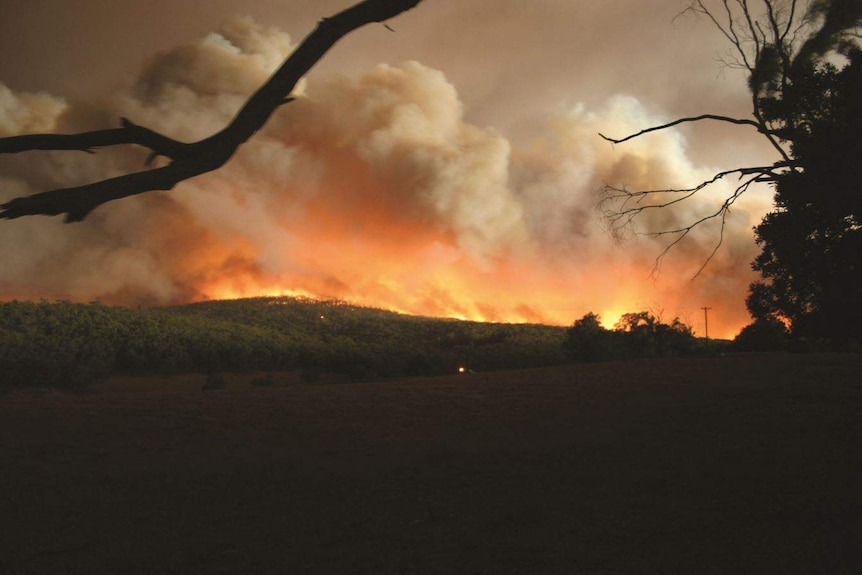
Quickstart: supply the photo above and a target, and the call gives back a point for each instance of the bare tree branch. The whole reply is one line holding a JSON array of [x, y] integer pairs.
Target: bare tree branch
[[749, 40], [187, 159], [129, 133], [728, 29], [720, 213], [631, 204], [770, 39], [738, 121], [625, 216], [625, 211]]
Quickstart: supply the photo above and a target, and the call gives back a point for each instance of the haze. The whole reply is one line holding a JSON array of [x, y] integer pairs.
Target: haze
[[449, 168]]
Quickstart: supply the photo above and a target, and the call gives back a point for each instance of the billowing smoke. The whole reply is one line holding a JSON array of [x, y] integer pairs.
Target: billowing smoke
[[371, 188]]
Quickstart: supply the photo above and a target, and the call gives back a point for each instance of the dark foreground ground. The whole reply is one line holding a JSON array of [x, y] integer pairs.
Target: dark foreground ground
[[745, 464]]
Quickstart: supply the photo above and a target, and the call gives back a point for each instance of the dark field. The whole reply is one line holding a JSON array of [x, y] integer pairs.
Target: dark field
[[738, 464]]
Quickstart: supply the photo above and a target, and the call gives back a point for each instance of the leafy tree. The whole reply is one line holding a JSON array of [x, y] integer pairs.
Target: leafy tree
[[646, 336], [811, 259], [764, 334], [588, 341], [635, 335], [804, 69], [59, 345], [675, 338]]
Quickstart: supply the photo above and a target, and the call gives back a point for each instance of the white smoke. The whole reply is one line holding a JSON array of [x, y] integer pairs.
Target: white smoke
[[356, 167], [27, 113]]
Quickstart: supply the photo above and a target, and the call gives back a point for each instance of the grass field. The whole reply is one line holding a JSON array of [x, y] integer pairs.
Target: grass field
[[737, 464]]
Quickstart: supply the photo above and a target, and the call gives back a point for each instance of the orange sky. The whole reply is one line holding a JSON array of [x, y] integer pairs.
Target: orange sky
[[451, 168]]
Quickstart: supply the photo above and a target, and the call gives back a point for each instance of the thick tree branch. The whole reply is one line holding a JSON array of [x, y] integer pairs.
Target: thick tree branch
[[738, 121], [129, 133], [79, 201], [188, 159]]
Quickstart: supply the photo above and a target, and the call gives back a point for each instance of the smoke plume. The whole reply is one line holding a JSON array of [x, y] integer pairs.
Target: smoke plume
[[372, 188]]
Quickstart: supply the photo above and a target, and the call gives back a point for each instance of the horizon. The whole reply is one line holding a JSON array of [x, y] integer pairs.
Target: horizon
[[338, 302], [455, 188]]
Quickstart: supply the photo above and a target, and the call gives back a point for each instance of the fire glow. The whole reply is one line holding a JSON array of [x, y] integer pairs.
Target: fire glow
[[435, 279], [374, 190]]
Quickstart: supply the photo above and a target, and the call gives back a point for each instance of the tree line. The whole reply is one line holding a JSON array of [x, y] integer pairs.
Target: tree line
[[65, 344], [635, 335]]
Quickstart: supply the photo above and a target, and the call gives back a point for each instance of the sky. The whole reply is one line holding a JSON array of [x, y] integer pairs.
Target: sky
[[448, 167]]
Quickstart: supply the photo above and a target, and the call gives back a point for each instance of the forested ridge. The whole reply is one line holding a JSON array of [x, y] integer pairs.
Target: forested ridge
[[67, 344]]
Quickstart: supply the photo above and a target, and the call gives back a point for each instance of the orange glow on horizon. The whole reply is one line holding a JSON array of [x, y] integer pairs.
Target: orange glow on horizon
[[379, 255], [519, 314], [403, 204], [422, 275]]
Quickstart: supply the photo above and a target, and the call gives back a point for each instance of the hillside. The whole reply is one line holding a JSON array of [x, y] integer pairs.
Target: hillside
[[65, 344]]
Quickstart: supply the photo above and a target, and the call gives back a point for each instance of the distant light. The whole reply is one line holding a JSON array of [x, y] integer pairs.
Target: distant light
[[462, 369], [322, 316]]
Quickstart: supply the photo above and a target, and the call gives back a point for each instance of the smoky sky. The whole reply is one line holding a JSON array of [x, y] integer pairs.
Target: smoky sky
[[449, 167]]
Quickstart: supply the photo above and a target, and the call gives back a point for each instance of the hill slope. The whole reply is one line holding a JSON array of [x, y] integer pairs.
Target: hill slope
[[70, 344]]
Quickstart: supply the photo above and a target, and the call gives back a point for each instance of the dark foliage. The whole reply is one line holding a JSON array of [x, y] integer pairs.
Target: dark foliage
[[56, 345], [811, 261], [804, 64], [764, 334], [214, 382], [588, 341], [636, 335], [64, 344], [267, 380]]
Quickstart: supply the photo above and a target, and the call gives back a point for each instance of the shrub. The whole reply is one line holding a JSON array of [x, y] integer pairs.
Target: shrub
[[213, 382], [764, 334], [588, 341], [263, 380], [636, 335], [58, 345]]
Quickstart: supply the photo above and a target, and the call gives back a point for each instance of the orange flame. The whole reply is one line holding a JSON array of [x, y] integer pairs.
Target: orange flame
[[379, 260]]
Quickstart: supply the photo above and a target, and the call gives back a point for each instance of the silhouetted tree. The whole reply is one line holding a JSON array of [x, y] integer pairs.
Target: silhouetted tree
[[639, 330], [588, 341], [187, 160], [811, 259], [635, 335], [764, 334], [803, 63], [646, 336]]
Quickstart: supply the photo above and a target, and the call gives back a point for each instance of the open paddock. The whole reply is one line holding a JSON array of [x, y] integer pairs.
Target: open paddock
[[736, 464]]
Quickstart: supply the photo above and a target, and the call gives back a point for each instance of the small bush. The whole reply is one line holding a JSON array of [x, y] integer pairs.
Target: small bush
[[588, 341], [765, 334], [263, 380], [214, 381]]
